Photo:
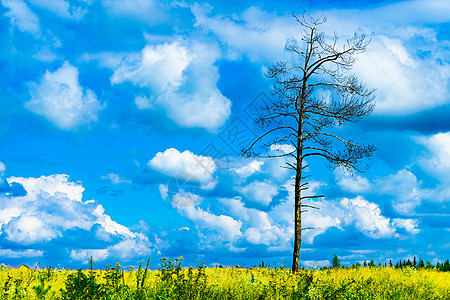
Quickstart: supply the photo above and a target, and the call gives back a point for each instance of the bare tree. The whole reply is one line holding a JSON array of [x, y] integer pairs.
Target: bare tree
[[315, 94]]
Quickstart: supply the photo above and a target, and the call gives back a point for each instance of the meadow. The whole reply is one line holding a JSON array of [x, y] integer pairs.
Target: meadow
[[172, 281]]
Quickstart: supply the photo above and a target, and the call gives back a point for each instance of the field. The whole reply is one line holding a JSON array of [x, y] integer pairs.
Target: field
[[172, 281]]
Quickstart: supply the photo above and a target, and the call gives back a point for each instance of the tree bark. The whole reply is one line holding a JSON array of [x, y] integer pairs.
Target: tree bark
[[298, 212]]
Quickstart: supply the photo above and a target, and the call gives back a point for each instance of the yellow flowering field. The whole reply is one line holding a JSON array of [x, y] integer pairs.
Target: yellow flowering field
[[172, 281]]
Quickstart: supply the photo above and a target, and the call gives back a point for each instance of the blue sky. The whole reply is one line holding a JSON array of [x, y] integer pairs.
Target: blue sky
[[121, 123]]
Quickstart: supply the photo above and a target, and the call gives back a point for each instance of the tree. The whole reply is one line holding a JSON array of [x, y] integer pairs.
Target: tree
[[335, 263], [421, 264], [303, 117]]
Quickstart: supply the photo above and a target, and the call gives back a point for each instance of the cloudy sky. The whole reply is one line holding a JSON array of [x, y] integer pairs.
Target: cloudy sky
[[121, 123]]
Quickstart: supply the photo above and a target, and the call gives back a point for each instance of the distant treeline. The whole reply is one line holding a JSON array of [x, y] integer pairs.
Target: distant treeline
[[440, 266]]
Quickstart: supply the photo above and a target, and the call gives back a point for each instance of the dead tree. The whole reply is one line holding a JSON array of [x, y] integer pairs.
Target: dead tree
[[315, 94]]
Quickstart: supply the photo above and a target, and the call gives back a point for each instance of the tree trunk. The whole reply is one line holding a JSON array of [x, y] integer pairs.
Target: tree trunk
[[298, 217], [297, 197], [298, 173]]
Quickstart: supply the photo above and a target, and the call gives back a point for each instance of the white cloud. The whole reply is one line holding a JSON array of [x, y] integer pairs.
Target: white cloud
[[263, 230], [364, 215], [413, 12], [227, 228], [185, 165], [405, 188], [181, 78], [403, 48], [61, 100], [2, 168], [164, 191], [315, 263], [143, 102], [356, 184], [409, 225], [235, 207], [62, 8], [261, 192], [284, 148], [249, 169], [437, 161], [52, 186], [26, 229], [158, 67], [394, 63], [185, 199], [367, 217], [260, 227], [259, 35], [359, 213], [109, 225], [21, 253], [20, 15], [397, 74], [84, 255], [115, 179], [53, 205]]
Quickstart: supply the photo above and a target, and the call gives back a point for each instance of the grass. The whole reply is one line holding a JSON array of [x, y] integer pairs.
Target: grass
[[172, 281]]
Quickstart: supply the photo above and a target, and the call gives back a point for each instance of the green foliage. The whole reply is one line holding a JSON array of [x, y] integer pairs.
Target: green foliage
[[335, 263], [43, 288]]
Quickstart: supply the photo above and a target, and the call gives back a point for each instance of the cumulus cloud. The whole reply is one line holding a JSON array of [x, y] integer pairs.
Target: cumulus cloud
[[181, 78], [248, 169], [355, 184], [436, 160], [397, 74], [158, 67], [403, 48], [214, 230], [53, 207], [409, 225], [60, 99], [394, 63], [2, 168], [185, 199], [228, 228], [261, 192], [363, 215], [405, 189], [22, 16], [367, 217], [185, 165], [260, 228], [274, 226], [257, 34]]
